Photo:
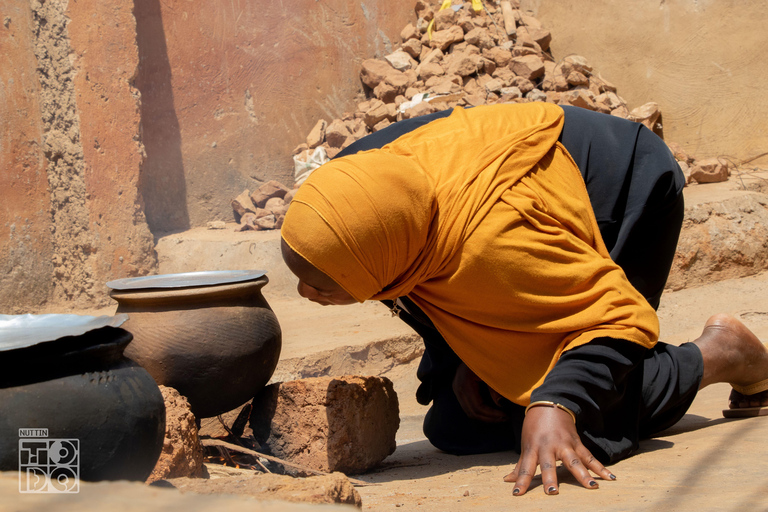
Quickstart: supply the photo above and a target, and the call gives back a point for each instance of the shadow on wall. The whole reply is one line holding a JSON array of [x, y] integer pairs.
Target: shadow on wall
[[162, 182]]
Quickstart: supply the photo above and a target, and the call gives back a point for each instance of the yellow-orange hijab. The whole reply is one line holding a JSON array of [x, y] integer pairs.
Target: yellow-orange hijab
[[483, 220]]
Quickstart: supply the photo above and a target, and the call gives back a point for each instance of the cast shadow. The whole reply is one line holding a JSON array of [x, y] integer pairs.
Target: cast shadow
[[162, 182]]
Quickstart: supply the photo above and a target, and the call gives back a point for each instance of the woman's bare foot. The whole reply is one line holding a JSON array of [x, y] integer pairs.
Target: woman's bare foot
[[733, 354]]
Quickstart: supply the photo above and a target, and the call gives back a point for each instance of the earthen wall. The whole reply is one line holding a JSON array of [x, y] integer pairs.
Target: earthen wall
[[702, 61], [230, 88]]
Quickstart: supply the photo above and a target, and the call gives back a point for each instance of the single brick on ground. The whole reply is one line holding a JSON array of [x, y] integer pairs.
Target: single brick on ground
[[345, 424]]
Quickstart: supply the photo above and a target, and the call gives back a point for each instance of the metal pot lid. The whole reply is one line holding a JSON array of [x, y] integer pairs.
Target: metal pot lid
[[186, 279], [21, 331]]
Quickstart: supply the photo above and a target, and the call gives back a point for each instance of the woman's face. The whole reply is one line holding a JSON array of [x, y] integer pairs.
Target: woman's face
[[313, 284]]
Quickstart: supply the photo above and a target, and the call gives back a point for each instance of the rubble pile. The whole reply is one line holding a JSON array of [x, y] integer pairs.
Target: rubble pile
[[460, 56]]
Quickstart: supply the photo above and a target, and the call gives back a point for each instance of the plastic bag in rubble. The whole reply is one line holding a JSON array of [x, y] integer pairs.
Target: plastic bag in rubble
[[304, 163]]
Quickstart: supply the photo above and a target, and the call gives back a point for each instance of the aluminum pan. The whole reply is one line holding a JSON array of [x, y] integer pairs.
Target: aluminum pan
[[186, 279], [21, 331]]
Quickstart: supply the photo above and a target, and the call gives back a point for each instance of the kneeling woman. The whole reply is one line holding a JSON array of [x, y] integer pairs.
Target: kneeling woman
[[478, 227]]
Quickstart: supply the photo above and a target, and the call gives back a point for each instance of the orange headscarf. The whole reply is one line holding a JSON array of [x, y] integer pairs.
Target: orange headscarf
[[483, 220]]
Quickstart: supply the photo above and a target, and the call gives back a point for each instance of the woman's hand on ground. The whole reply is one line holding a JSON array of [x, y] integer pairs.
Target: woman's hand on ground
[[549, 435], [466, 387]]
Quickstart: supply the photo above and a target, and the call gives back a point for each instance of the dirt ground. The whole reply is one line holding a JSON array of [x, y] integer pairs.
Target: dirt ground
[[705, 462]]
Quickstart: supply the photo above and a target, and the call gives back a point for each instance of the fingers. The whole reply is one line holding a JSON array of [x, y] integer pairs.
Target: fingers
[[549, 435], [580, 462], [523, 473]]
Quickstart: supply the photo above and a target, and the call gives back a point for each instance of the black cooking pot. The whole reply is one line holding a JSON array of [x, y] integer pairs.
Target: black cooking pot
[[65, 376]]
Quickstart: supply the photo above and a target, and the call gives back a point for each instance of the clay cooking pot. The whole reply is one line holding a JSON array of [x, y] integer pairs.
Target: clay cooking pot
[[210, 335]]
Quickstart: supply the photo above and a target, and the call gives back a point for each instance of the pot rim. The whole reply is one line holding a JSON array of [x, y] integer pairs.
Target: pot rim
[[185, 279], [190, 294]]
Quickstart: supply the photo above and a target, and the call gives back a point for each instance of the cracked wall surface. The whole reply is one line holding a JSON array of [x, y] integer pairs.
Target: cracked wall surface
[[72, 218], [72, 241], [26, 245]]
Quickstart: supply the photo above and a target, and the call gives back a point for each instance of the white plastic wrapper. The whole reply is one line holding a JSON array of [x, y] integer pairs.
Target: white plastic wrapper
[[304, 163]]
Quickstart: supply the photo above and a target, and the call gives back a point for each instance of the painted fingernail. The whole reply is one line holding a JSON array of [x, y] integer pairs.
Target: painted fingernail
[[552, 490], [612, 476], [592, 483], [516, 491]]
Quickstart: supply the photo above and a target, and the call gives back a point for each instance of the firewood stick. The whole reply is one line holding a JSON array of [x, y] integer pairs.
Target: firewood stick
[[234, 447]]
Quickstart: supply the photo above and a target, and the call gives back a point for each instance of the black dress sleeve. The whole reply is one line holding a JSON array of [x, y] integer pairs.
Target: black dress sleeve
[[592, 378]]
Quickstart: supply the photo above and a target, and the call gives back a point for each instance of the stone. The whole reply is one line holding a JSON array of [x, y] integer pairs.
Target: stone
[[243, 204], [429, 69], [463, 64], [276, 205], [523, 84], [377, 112], [424, 10], [610, 100], [345, 424], [337, 133], [602, 84], [400, 60], [267, 191], [444, 19], [475, 100], [578, 98], [333, 488], [443, 39], [494, 85], [317, 134], [648, 114], [216, 224], [576, 78], [509, 93], [540, 36], [289, 196], [556, 83], [374, 71], [471, 87], [621, 112], [710, 170], [247, 222], [386, 92], [267, 222], [577, 63], [409, 32], [182, 453], [529, 22], [480, 37], [447, 85], [680, 153], [420, 109], [530, 67], [536, 95], [413, 48], [381, 125], [508, 16], [498, 55]]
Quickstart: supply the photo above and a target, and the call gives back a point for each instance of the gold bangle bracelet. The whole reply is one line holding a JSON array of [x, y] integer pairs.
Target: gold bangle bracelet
[[552, 404]]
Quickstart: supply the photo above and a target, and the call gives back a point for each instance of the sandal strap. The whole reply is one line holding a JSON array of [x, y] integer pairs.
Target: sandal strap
[[752, 389]]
